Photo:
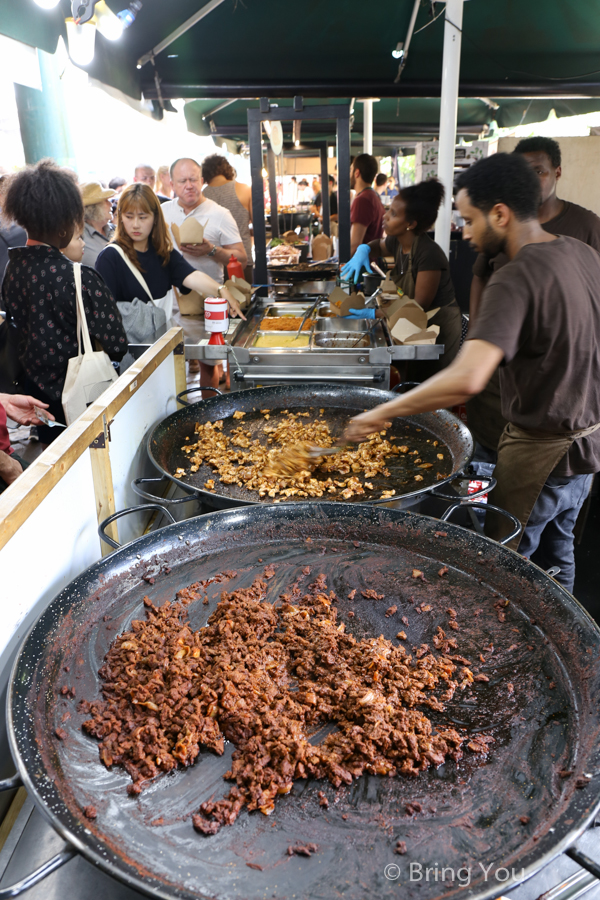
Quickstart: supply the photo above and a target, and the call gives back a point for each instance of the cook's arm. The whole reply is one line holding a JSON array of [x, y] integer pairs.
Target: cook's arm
[[464, 378]]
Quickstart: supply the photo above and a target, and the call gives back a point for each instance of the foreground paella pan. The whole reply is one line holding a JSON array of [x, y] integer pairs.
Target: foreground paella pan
[[483, 815]]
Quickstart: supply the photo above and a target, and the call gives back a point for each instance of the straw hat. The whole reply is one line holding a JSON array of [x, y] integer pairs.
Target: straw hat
[[93, 192]]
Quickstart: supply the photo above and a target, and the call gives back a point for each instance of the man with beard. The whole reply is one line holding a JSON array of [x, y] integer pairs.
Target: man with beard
[[540, 319], [556, 217], [366, 212]]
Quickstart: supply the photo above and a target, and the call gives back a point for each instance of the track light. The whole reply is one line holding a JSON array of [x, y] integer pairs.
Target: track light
[[82, 42], [47, 4], [110, 25], [398, 53]]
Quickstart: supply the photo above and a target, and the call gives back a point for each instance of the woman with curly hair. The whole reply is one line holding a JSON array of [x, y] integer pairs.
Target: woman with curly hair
[[38, 291], [421, 267], [142, 264], [221, 186]]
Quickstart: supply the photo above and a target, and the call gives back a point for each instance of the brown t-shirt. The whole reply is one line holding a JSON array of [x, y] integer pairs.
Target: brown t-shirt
[[574, 221], [427, 257], [543, 310]]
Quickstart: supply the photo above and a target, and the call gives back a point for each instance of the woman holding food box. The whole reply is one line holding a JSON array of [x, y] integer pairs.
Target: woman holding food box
[[141, 267], [421, 269]]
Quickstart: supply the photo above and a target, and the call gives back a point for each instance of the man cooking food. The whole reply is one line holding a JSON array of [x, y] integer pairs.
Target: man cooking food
[[556, 216], [540, 319]]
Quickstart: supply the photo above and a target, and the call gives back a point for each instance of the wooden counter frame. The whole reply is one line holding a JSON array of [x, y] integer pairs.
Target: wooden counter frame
[[91, 430]]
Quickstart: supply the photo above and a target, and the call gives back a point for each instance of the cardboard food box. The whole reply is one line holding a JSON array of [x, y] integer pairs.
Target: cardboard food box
[[322, 247], [237, 294], [341, 303], [408, 322], [191, 304], [189, 232]]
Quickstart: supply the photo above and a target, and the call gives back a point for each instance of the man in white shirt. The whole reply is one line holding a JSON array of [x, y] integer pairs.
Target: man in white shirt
[[221, 234]]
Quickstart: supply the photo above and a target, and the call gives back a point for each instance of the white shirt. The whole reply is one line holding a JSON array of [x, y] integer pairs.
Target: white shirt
[[219, 228]]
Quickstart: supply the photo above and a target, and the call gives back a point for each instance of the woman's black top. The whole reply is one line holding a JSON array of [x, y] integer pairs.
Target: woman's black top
[[38, 294], [125, 286], [427, 257]]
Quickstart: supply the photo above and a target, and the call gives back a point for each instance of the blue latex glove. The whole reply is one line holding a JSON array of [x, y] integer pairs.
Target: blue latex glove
[[360, 314], [359, 261]]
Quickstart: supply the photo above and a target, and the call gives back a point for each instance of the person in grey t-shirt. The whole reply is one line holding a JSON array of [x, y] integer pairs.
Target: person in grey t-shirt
[[97, 212]]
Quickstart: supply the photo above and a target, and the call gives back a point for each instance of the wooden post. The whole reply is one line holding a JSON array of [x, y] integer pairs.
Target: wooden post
[[179, 363], [103, 483]]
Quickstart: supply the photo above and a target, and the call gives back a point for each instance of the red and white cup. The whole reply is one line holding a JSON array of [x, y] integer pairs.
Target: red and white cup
[[216, 315]]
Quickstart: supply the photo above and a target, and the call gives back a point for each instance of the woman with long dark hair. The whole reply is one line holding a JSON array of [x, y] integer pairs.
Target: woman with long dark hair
[[142, 264], [38, 291]]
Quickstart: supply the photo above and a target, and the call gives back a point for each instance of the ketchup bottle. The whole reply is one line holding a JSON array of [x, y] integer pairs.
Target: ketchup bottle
[[234, 267]]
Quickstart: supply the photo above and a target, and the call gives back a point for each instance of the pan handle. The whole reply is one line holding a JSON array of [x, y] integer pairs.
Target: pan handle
[[194, 390], [7, 784], [172, 502], [460, 476], [467, 504], [15, 890], [125, 512], [583, 860], [283, 379], [405, 386]]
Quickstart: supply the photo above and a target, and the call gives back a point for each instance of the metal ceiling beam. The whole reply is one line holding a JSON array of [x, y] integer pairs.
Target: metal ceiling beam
[[211, 112], [380, 129], [556, 90], [193, 20]]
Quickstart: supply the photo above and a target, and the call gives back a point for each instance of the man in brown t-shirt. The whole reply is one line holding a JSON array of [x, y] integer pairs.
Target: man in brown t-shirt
[[556, 217], [540, 318]]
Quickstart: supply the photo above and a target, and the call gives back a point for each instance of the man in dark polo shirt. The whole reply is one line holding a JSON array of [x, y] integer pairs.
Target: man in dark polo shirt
[[366, 212], [556, 217], [540, 318]]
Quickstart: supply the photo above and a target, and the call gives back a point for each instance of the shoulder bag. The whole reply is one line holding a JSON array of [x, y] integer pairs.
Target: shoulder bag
[[90, 372], [142, 320]]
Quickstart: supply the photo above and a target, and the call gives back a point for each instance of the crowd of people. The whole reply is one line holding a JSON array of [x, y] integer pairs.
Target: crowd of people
[[122, 235], [530, 378]]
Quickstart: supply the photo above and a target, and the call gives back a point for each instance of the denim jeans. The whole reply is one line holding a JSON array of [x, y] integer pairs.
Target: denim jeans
[[548, 538], [549, 532]]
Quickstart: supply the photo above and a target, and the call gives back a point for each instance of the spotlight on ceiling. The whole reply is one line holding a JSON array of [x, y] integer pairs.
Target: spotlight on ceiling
[[398, 53], [110, 25], [82, 41], [47, 4]]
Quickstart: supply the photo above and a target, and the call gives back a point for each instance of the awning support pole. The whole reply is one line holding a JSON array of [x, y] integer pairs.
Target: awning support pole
[[325, 191], [448, 117], [273, 193], [367, 126]]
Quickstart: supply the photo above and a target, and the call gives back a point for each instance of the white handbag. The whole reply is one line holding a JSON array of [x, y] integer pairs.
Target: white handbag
[[165, 303], [90, 372]]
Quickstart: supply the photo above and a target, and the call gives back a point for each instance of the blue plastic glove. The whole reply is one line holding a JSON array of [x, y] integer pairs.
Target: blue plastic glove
[[361, 314], [359, 261]]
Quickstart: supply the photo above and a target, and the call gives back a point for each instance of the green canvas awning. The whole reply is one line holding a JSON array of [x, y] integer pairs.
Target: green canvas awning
[[547, 50], [394, 121]]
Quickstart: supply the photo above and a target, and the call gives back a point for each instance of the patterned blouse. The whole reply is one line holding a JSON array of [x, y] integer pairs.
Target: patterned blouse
[[38, 293]]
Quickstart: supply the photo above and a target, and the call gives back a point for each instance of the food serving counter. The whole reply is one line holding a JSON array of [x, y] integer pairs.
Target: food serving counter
[[330, 348]]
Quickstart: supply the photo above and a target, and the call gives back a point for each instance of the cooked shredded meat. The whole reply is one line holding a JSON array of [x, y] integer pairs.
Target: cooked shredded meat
[[266, 677], [283, 469]]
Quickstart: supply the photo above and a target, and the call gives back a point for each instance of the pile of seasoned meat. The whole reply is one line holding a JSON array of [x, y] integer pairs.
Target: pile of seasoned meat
[[276, 469], [266, 677]]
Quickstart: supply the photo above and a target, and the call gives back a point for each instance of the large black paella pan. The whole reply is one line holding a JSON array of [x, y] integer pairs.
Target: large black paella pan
[[508, 811], [339, 403]]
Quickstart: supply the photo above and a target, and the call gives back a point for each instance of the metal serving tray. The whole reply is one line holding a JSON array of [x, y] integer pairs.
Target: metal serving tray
[[328, 340], [356, 326]]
